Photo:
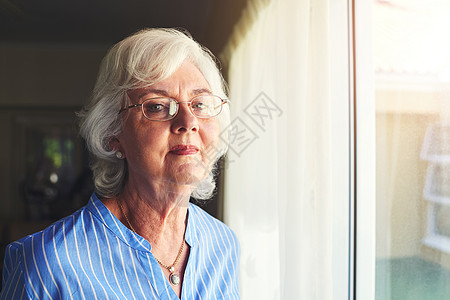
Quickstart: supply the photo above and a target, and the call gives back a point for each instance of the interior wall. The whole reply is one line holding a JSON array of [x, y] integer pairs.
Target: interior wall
[[39, 80], [52, 75]]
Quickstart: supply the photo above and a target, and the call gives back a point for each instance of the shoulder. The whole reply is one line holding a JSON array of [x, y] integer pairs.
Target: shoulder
[[43, 260], [40, 249], [13, 283], [30, 261], [55, 234]]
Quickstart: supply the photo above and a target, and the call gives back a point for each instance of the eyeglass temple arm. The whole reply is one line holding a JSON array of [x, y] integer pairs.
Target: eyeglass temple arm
[[223, 102], [131, 106]]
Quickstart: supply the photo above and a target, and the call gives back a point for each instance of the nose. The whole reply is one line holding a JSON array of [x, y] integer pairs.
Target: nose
[[184, 121]]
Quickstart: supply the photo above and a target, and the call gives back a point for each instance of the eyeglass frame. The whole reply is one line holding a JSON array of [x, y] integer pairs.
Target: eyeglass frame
[[224, 101]]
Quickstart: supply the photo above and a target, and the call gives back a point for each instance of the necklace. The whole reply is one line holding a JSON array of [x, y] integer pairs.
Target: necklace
[[173, 277]]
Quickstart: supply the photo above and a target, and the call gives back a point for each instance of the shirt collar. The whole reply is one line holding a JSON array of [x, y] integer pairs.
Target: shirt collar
[[134, 240], [191, 236], [105, 216]]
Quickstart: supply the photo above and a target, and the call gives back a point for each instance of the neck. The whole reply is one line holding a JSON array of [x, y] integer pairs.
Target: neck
[[157, 219]]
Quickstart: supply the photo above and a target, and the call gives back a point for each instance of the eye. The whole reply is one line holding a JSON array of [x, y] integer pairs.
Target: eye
[[200, 105], [155, 106]]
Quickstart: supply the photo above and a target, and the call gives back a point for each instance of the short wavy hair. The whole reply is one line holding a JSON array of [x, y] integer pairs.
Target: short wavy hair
[[140, 60]]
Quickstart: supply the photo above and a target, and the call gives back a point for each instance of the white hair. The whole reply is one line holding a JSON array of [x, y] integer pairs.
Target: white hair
[[142, 59]]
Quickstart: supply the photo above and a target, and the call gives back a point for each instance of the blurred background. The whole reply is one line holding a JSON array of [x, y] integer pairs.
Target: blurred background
[[50, 52]]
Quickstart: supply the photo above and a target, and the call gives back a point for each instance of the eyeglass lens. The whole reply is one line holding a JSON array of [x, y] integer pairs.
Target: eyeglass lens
[[205, 106]]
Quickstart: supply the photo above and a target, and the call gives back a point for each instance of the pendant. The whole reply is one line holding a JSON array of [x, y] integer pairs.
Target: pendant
[[174, 279]]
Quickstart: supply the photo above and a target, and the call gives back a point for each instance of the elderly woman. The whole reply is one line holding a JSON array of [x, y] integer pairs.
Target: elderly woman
[[152, 128]]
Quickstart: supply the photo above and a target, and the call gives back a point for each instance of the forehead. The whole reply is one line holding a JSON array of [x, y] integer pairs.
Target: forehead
[[186, 76], [187, 80]]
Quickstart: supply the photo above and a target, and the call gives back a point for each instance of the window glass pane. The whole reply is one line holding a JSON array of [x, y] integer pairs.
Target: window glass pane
[[412, 94]]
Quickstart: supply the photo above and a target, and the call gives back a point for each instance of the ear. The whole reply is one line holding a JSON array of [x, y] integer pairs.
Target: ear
[[114, 144]]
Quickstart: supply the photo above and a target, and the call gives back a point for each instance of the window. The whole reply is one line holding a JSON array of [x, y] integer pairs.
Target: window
[[411, 67]]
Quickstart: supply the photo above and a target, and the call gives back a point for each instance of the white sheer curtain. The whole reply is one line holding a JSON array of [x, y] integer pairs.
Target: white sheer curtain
[[277, 181]]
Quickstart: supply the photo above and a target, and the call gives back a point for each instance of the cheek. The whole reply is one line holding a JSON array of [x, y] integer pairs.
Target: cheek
[[210, 141], [144, 139], [210, 134]]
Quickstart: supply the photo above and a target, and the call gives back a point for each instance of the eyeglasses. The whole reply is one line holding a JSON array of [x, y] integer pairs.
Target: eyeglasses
[[164, 108]]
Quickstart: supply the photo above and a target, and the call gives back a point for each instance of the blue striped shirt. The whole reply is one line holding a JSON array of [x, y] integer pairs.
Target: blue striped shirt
[[92, 255]]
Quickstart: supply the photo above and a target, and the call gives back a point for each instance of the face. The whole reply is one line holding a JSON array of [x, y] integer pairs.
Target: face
[[176, 151]]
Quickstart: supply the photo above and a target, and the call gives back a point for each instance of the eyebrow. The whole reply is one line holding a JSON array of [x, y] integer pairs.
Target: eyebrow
[[164, 93], [153, 91], [201, 91]]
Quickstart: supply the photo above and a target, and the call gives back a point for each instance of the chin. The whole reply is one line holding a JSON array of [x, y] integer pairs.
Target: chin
[[190, 175]]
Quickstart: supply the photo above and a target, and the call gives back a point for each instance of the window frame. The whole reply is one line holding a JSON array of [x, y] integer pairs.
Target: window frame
[[363, 203]]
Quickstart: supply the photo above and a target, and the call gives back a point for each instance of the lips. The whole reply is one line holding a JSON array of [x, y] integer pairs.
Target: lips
[[184, 150]]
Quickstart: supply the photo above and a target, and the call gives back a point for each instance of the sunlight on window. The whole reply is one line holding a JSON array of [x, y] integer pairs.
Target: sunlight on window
[[412, 92]]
